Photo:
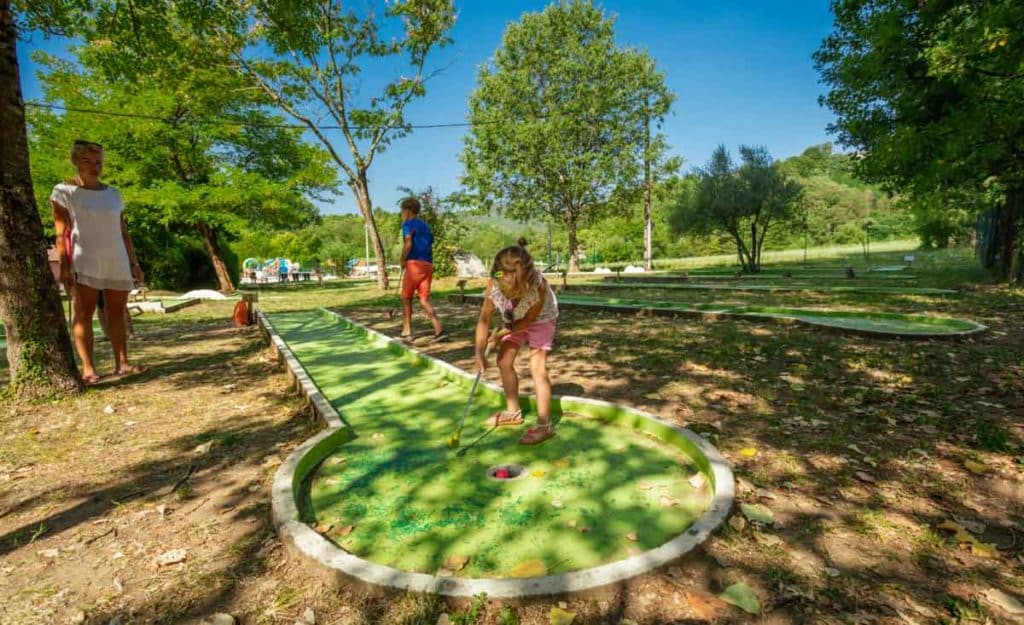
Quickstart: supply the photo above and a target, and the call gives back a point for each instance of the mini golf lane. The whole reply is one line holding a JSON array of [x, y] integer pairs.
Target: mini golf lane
[[887, 324], [775, 288], [599, 493]]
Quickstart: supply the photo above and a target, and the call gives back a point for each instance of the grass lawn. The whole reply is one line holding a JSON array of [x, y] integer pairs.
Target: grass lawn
[[893, 468]]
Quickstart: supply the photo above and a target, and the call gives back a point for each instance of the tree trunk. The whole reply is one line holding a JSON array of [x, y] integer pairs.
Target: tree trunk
[[1008, 235], [648, 226], [220, 268], [574, 244], [38, 346], [755, 253], [361, 189]]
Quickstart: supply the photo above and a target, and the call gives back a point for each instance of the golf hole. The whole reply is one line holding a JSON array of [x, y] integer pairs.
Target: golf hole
[[506, 472]]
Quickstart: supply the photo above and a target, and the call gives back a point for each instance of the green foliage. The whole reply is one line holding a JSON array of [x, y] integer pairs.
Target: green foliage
[[558, 119], [930, 94], [742, 200]]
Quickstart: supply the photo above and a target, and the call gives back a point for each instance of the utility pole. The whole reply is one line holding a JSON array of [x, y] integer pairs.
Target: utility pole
[[648, 226]]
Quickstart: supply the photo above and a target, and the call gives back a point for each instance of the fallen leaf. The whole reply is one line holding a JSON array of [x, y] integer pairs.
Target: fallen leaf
[[558, 616], [757, 513], [162, 509], [644, 486], [444, 619], [737, 523], [49, 553], [563, 463], [832, 572], [667, 502], [174, 556], [975, 467], [984, 550], [456, 562], [323, 528], [308, 616], [528, 568], [697, 481], [109, 410], [571, 523], [556, 503], [865, 477], [705, 605], [539, 473], [200, 450], [748, 452], [346, 530], [445, 572], [585, 529], [1004, 601], [743, 597]]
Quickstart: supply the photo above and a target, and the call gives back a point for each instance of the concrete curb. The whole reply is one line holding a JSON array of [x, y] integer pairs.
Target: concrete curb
[[726, 313], [341, 567]]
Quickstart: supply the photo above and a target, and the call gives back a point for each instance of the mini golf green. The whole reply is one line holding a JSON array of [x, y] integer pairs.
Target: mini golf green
[[395, 495], [889, 324], [781, 288], [765, 277]]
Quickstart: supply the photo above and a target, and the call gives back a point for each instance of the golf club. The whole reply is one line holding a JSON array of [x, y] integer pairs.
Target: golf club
[[453, 441]]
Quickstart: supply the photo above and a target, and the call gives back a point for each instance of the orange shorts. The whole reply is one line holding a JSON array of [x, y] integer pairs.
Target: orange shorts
[[418, 276]]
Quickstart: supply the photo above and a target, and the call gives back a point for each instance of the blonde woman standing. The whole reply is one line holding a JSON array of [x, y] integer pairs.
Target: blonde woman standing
[[100, 259]]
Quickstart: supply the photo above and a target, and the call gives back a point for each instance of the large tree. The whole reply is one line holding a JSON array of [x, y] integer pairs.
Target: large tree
[[38, 345], [308, 56], [743, 200], [558, 119], [930, 94]]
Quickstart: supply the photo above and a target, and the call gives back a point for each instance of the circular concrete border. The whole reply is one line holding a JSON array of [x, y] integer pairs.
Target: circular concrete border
[[341, 567]]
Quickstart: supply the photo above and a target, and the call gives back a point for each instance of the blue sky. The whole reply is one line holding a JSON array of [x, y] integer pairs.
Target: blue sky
[[741, 72]]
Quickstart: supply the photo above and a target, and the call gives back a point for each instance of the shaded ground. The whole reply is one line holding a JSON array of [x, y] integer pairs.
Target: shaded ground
[[893, 468]]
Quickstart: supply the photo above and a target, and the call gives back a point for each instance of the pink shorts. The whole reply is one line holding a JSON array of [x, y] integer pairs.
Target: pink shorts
[[538, 336]]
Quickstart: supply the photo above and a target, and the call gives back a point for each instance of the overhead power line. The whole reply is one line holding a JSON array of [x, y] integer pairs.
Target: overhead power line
[[232, 122]]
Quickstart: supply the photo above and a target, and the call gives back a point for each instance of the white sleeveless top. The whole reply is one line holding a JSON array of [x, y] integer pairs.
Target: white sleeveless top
[[512, 311], [98, 255]]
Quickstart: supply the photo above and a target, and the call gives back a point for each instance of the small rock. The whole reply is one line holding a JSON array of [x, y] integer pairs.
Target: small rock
[[117, 555], [129, 424], [309, 616], [162, 509], [49, 553], [220, 618], [865, 477], [556, 503], [78, 617], [831, 572], [174, 556], [109, 410]]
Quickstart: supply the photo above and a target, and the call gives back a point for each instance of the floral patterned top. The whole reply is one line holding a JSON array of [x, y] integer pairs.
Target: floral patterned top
[[514, 310]]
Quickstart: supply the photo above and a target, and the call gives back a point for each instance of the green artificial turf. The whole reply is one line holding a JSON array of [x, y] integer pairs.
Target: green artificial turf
[[414, 504], [870, 322]]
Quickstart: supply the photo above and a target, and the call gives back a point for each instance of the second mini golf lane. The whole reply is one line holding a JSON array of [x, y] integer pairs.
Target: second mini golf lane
[[882, 323], [397, 496]]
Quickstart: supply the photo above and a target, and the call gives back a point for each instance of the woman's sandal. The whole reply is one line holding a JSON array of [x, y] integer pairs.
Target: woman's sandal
[[504, 417], [537, 435]]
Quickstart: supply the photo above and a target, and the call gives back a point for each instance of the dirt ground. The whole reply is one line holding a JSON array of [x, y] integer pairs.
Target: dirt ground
[[893, 470]]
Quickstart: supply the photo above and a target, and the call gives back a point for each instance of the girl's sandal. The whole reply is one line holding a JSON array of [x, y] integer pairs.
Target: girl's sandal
[[132, 370], [537, 435], [504, 417], [90, 380]]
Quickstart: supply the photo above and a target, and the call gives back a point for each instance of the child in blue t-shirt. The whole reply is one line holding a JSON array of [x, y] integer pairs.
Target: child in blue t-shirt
[[417, 267]]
